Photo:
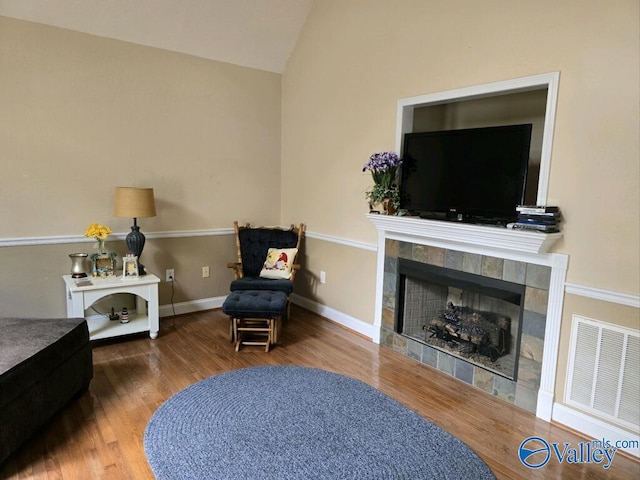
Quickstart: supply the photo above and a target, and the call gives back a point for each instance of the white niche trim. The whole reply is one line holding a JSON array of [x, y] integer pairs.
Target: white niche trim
[[545, 81]]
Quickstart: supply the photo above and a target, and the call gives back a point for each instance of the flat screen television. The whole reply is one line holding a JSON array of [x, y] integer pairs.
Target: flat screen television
[[476, 174]]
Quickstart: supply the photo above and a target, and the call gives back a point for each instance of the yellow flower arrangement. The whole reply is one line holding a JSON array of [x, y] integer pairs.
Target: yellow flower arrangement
[[100, 233], [97, 231]]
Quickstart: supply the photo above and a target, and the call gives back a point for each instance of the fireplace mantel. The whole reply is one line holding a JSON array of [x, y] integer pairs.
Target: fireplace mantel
[[522, 246], [464, 234]]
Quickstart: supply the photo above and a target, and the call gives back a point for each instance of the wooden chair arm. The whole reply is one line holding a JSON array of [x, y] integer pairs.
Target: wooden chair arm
[[294, 269], [237, 268]]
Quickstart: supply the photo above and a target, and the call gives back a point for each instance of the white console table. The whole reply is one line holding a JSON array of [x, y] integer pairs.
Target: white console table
[[80, 298]]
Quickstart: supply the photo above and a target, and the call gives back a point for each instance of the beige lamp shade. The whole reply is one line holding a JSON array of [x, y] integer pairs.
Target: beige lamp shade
[[134, 202]]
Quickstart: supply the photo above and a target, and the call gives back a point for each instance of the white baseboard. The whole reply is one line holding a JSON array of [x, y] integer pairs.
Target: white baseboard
[[544, 409], [340, 318], [595, 428], [191, 306]]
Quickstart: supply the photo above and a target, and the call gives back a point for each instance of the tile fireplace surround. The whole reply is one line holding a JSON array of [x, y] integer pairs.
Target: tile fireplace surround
[[516, 256]]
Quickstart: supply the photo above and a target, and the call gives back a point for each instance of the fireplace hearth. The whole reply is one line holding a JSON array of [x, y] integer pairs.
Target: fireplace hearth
[[469, 316]]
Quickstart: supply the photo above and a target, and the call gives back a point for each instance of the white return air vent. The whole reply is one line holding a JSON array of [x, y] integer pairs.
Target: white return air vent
[[603, 376]]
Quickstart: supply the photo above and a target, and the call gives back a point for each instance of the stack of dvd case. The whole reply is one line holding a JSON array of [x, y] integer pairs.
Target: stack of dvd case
[[540, 218]]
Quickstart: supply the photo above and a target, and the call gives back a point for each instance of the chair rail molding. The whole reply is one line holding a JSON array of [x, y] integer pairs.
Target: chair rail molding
[[63, 239], [626, 299]]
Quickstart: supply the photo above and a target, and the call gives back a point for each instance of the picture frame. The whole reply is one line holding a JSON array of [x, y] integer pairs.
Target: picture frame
[[129, 267], [103, 264]]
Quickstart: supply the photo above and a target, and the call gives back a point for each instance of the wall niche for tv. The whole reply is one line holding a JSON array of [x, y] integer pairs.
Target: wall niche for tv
[[519, 101], [512, 109]]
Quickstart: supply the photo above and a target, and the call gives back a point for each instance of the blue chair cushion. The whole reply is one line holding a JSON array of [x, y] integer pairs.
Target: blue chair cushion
[[255, 304], [259, 283], [255, 243]]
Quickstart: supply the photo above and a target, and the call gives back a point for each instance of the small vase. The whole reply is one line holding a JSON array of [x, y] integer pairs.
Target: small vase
[[101, 249], [383, 207]]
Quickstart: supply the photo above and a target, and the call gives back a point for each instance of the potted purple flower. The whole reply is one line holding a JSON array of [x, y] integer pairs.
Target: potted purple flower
[[384, 196]]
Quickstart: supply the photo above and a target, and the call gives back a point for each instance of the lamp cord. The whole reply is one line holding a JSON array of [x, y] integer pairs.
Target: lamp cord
[[99, 313]]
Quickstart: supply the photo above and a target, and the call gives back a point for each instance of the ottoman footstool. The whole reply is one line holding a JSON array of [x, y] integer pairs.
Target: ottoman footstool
[[44, 363], [255, 315]]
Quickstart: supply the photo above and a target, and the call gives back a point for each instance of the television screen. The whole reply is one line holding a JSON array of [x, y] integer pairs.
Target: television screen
[[469, 174]]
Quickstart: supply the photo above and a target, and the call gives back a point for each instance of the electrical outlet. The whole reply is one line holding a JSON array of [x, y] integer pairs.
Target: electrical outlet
[[169, 275], [323, 276], [205, 272]]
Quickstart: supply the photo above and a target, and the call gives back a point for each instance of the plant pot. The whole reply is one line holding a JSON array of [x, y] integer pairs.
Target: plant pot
[[383, 207]]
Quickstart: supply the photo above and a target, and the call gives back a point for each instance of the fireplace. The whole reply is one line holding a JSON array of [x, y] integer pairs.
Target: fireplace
[[479, 285], [517, 257], [474, 318]]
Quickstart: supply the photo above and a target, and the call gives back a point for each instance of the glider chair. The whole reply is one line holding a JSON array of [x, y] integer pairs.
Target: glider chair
[[264, 273]]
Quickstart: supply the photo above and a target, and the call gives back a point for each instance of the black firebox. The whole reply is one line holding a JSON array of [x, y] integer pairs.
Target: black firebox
[[473, 317]]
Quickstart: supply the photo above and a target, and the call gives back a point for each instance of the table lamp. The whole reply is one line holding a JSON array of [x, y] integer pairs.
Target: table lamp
[[134, 203]]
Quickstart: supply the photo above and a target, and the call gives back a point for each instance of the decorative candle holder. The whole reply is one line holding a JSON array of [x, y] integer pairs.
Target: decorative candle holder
[[78, 264], [129, 266]]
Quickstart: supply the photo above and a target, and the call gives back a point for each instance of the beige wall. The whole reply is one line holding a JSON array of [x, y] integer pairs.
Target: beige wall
[[31, 283], [350, 277], [81, 115], [354, 60]]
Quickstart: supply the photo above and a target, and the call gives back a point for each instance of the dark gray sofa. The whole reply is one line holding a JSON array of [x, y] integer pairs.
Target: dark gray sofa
[[44, 363]]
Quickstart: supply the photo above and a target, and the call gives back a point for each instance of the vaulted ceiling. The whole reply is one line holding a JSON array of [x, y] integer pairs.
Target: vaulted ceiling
[[253, 33]]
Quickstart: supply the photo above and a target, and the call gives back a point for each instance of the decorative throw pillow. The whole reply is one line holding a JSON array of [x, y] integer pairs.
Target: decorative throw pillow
[[278, 263]]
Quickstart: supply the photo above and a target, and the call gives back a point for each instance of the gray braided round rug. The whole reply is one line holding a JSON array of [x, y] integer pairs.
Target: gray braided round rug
[[284, 422]]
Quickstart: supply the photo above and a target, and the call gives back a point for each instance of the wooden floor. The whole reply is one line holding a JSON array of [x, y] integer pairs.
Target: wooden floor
[[100, 435]]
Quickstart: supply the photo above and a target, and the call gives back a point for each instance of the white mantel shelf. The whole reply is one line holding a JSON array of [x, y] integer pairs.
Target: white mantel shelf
[[477, 236]]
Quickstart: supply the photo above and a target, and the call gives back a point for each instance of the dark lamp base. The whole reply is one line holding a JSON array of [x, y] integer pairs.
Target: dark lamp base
[[135, 243]]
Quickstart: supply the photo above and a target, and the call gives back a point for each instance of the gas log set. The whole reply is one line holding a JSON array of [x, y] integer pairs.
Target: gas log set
[[471, 331]]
